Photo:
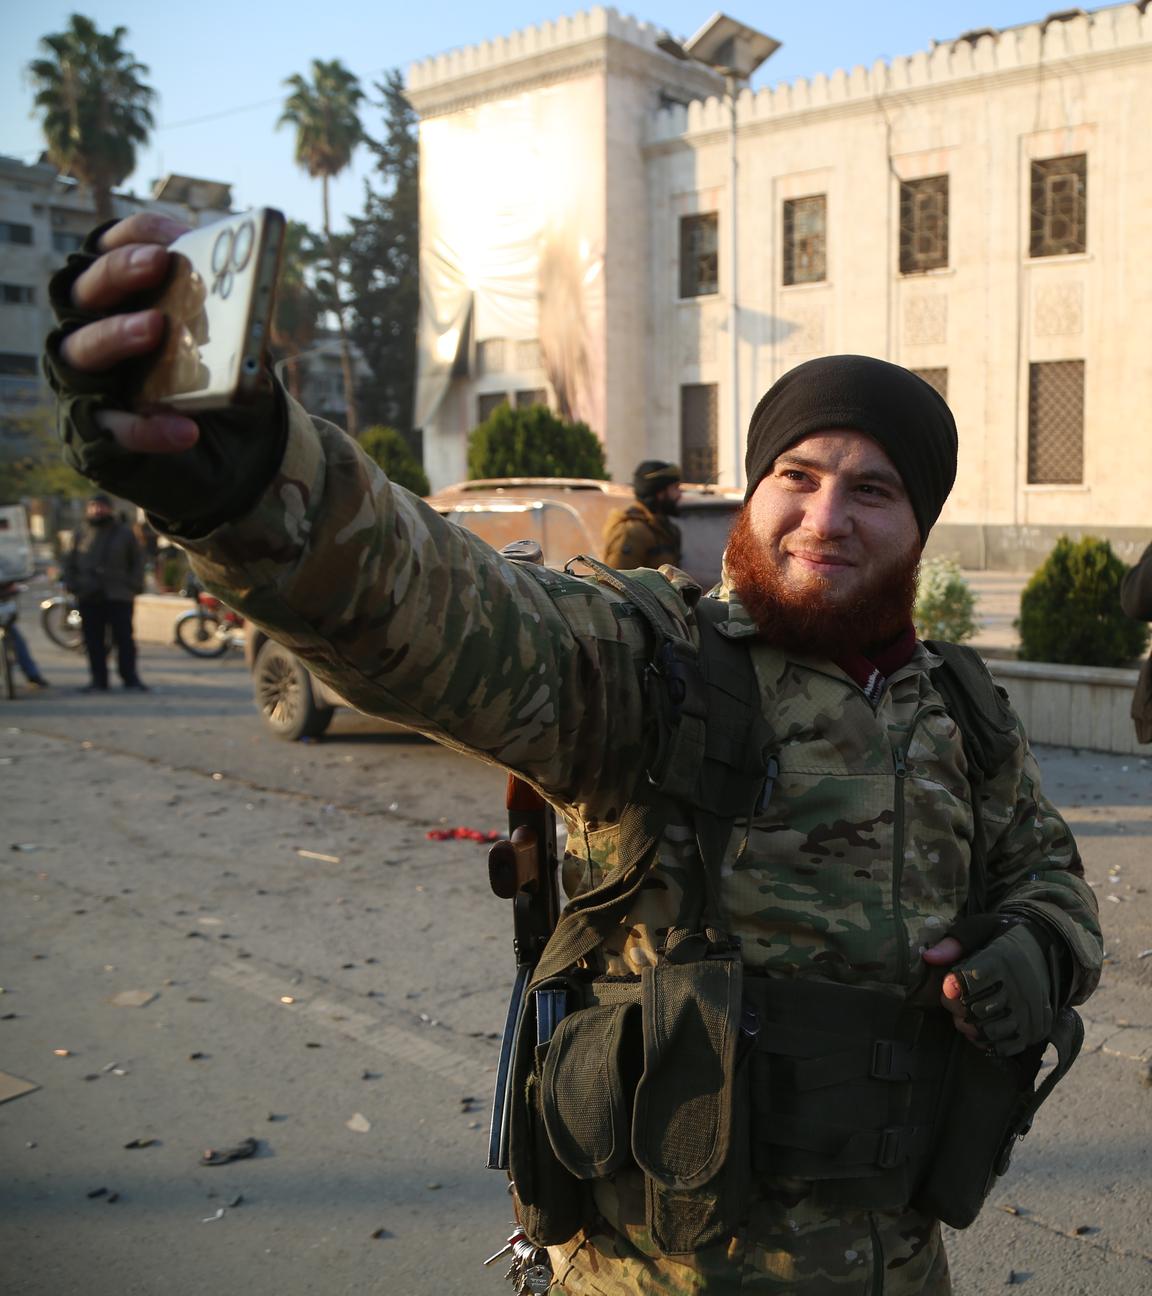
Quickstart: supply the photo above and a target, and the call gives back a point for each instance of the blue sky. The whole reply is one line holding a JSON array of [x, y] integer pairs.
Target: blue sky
[[218, 67]]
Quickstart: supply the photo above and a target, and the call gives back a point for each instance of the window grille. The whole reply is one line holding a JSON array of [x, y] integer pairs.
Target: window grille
[[527, 399], [1059, 206], [1056, 423], [66, 241], [529, 356], [14, 232], [937, 378], [699, 258], [923, 224], [490, 356], [14, 362], [699, 417], [488, 403], [805, 239], [17, 294]]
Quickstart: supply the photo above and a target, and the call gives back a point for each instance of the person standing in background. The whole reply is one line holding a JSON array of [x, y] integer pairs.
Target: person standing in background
[[644, 535], [1136, 601], [105, 571]]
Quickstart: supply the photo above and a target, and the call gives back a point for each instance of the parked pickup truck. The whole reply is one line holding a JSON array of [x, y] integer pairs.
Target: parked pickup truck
[[564, 515]]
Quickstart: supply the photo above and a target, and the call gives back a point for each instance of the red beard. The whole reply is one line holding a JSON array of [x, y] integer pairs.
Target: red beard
[[814, 624]]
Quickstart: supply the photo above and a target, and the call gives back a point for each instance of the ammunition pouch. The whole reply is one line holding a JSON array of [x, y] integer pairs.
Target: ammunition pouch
[[846, 1085], [704, 1079], [988, 1104], [643, 1074], [551, 1201]]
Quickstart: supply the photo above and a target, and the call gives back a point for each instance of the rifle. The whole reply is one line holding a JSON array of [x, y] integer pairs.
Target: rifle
[[523, 869]]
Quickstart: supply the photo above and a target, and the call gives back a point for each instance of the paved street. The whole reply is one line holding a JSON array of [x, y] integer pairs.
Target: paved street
[[329, 982]]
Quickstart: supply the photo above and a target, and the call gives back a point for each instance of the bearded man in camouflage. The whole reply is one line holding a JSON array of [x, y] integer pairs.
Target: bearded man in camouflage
[[853, 872]]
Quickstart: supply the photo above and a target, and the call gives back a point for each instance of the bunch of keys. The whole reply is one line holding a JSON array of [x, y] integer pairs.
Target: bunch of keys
[[531, 1273]]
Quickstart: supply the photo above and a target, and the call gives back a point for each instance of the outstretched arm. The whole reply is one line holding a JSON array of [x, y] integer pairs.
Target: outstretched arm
[[405, 614]]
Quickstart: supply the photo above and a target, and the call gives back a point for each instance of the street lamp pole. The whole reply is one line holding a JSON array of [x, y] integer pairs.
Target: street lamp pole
[[735, 51], [732, 85]]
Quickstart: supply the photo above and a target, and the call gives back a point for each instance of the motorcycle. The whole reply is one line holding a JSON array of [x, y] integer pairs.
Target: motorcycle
[[210, 628], [60, 621]]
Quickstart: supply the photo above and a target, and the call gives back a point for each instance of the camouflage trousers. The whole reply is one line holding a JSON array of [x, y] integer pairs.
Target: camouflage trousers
[[790, 1245]]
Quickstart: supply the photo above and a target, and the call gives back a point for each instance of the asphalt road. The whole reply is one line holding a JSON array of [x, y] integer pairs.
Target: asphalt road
[[341, 1008]]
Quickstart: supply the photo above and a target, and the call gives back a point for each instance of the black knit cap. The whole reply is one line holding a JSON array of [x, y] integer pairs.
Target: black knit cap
[[652, 476], [906, 416]]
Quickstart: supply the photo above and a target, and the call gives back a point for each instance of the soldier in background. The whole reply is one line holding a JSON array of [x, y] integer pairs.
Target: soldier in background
[[105, 570], [644, 535], [1136, 601], [848, 873]]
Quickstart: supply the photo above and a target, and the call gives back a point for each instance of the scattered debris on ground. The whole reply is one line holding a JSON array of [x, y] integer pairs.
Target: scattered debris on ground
[[234, 1152], [133, 998], [462, 834]]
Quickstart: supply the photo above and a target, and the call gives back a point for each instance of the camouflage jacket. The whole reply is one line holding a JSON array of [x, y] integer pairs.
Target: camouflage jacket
[[637, 537], [859, 859]]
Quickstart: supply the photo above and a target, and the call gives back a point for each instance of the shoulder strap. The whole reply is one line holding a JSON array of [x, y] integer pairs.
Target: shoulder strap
[[711, 761], [977, 704], [988, 731]]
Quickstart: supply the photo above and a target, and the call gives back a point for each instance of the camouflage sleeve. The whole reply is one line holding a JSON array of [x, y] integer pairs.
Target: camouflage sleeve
[[1034, 867], [412, 618]]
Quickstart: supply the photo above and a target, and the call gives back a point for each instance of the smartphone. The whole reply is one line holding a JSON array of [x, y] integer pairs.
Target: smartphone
[[218, 302]]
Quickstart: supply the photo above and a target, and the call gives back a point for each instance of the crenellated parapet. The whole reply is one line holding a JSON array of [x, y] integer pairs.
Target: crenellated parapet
[[1016, 50], [595, 39], [530, 43]]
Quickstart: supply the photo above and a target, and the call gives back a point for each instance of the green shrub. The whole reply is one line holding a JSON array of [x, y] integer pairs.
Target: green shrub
[[389, 449], [534, 443], [944, 602], [171, 568], [1070, 609]]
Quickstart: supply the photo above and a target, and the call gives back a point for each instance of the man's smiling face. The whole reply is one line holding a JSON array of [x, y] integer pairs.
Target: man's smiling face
[[825, 553], [832, 509]]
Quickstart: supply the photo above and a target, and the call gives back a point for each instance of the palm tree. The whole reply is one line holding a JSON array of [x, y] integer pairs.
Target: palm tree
[[325, 114], [297, 304], [94, 107]]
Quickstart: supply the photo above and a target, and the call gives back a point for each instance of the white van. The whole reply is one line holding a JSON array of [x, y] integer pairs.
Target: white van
[[16, 561]]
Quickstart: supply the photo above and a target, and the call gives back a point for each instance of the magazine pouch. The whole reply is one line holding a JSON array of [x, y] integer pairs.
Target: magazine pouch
[[586, 1088], [689, 1129], [551, 1203]]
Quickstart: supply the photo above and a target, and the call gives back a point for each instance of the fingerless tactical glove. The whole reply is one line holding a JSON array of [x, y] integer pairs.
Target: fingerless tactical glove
[[1011, 989], [189, 494]]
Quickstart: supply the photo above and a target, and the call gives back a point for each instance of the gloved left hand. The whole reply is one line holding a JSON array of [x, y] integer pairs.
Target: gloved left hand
[[1001, 994]]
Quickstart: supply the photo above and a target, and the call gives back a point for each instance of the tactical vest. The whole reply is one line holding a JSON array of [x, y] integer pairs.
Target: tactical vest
[[702, 1075]]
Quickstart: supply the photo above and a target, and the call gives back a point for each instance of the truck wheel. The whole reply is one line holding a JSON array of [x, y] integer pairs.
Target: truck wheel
[[284, 695]]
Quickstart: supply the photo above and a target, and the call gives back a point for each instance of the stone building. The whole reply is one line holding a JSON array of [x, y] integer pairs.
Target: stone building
[[980, 211]]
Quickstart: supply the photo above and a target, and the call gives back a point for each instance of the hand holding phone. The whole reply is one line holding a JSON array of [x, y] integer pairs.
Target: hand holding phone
[[217, 304], [132, 269]]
